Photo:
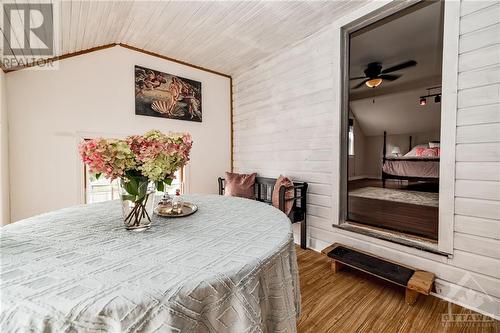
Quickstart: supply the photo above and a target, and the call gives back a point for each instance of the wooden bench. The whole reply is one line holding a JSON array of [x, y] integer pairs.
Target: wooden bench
[[415, 281], [264, 191]]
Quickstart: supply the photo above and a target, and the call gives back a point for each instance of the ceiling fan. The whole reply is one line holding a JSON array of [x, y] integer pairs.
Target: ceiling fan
[[374, 74]]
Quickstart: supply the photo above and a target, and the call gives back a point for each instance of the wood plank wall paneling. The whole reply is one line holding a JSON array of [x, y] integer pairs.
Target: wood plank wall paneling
[[469, 7], [484, 114], [284, 111], [484, 17], [478, 171], [481, 38], [486, 228], [282, 120], [479, 58]]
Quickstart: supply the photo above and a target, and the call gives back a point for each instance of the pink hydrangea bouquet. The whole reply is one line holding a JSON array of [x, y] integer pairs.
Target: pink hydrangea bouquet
[[142, 163]]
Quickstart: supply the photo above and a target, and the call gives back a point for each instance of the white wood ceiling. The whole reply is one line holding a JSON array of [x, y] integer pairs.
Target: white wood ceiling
[[225, 36]]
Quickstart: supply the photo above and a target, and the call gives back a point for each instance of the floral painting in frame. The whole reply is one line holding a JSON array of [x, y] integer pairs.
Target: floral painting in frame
[[165, 95]]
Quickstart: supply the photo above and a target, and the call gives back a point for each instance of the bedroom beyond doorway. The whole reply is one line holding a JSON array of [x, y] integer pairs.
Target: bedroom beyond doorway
[[393, 123]]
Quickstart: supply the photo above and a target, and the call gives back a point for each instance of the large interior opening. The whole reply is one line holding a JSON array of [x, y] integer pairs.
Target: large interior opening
[[393, 123]]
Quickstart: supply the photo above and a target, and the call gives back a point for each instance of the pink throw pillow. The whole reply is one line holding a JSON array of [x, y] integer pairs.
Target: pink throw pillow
[[289, 193], [420, 151], [430, 152], [240, 185]]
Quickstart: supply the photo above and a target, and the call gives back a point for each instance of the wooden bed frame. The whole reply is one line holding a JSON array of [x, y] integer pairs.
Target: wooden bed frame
[[389, 176]]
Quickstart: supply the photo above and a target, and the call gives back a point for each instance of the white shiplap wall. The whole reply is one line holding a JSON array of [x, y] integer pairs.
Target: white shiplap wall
[[284, 108]]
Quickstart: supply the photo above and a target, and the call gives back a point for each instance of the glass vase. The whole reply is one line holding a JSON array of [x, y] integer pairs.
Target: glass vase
[[137, 196]]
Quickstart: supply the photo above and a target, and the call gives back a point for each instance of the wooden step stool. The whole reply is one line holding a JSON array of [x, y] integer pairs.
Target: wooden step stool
[[415, 281]]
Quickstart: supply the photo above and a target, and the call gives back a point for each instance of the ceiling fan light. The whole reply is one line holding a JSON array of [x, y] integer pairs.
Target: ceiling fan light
[[372, 83], [423, 101]]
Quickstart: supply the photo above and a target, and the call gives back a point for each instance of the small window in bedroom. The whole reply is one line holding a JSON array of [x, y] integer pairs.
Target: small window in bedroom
[[351, 138]]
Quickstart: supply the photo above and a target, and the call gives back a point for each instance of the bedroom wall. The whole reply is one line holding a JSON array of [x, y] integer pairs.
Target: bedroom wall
[[286, 120], [93, 95], [374, 149], [357, 162], [4, 155]]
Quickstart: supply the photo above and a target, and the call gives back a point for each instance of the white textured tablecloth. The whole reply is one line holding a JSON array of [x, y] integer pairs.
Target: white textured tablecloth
[[231, 267]]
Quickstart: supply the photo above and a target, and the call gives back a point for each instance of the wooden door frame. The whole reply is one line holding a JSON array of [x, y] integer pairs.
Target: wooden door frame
[[368, 15]]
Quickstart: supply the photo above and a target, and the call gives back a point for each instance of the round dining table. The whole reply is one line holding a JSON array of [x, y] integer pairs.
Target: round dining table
[[230, 267]]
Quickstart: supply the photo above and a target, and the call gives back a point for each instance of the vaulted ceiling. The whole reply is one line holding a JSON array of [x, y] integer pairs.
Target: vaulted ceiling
[[394, 106], [414, 36], [221, 35]]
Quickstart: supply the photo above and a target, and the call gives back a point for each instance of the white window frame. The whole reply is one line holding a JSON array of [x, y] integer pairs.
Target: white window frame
[[116, 195], [86, 189], [365, 16]]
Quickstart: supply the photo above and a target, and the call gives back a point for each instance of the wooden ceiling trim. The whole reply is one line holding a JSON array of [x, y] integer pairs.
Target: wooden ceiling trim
[[64, 56], [172, 59], [102, 47]]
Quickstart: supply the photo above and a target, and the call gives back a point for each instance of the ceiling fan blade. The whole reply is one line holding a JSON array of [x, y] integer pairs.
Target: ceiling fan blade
[[358, 78], [406, 64], [389, 77], [359, 85]]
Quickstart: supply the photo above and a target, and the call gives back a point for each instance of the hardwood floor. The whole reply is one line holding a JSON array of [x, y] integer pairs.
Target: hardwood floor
[[351, 301], [398, 216]]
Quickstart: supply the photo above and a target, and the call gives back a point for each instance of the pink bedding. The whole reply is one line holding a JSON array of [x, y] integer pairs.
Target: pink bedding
[[425, 167]]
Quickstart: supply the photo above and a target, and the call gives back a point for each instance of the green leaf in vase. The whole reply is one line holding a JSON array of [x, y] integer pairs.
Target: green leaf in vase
[[131, 186], [143, 191], [160, 186], [128, 197]]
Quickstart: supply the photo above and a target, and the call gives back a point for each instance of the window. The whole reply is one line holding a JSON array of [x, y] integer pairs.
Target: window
[[102, 189], [351, 138]]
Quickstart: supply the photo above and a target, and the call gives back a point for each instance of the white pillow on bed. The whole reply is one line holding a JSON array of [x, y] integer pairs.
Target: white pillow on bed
[[434, 144], [413, 151]]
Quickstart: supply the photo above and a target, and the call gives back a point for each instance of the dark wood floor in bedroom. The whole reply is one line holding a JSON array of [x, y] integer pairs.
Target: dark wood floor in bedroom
[[351, 301], [403, 217]]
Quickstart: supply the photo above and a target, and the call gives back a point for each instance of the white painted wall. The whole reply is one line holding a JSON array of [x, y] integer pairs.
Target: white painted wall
[[284, 110], [4, 155], [92, 95], [398, 112]]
